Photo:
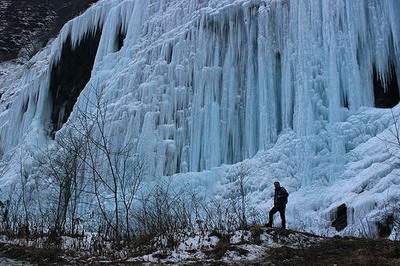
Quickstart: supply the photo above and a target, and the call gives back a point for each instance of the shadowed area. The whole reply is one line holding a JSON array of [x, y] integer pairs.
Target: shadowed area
[[389, 97], [70, 76]]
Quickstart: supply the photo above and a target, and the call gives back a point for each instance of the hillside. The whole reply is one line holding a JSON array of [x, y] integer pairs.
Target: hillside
[[26, 23]]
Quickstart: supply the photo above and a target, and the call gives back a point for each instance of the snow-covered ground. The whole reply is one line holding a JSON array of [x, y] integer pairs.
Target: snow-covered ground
[[207, 247], [256, 246], [242, 246], [200, 85]]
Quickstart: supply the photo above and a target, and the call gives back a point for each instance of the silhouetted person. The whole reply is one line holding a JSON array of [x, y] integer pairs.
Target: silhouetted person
[[280, 201]]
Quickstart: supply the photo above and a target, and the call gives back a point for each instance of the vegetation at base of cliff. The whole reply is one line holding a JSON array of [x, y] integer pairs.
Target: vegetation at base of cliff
[[318, 251], [338, 251]]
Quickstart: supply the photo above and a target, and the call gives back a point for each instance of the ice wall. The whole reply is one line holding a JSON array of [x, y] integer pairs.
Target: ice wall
[[200, 83]]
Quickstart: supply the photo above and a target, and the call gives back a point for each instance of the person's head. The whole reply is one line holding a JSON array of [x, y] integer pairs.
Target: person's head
[[277, 184]]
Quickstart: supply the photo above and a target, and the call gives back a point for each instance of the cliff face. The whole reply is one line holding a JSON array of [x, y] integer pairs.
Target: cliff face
[[29, 24]]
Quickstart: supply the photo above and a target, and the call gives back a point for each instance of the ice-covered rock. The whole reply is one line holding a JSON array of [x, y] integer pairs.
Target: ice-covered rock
[[205, 83]]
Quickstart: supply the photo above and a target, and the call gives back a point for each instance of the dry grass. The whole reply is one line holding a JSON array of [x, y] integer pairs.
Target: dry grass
[[339, 251]]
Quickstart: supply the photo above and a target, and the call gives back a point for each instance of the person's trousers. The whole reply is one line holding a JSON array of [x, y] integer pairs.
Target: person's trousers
[[281, 210]]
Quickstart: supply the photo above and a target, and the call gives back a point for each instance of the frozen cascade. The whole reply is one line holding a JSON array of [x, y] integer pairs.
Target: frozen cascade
[[200, 83]]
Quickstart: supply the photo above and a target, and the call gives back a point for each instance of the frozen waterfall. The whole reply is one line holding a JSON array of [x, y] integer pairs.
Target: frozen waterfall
[[199, 83]]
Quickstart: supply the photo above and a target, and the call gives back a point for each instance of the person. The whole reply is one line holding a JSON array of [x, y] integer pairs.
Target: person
[[280, 201]]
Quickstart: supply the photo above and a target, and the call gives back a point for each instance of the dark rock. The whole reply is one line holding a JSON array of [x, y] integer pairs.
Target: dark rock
[[70, 76], [385, 227], [31, 23], [340, 218], [386, 93]]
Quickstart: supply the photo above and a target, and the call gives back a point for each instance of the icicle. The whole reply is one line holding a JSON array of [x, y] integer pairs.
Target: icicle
[[198, 84]]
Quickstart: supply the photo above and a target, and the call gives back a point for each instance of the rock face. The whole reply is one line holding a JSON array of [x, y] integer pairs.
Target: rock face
[[27, 23], [340, 221]]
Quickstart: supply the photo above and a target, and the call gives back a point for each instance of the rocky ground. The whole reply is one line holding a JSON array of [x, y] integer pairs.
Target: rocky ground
[[256, 246], [337, 251]]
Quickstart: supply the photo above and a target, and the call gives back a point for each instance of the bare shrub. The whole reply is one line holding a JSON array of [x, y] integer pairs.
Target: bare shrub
[[392, 143], [391, 222], [164, 213], [116, 172], [238, 192], [63, 168]]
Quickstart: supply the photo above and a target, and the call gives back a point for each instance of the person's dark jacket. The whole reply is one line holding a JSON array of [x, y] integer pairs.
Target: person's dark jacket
[[281, 197]]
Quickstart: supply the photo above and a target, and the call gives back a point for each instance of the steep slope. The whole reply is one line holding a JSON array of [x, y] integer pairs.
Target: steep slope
[[31, 23], [196, 85]]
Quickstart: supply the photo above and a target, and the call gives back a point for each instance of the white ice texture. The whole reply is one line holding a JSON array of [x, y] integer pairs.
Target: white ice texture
[[199, 84]]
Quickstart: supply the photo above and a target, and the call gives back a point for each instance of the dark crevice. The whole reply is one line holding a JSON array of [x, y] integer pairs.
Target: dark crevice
[[359, 51], [345, 102], [120, 38], [340, 218], [278, 89], [25, 106], [70, 76], [386, 95], [385, 227], [169, 53]]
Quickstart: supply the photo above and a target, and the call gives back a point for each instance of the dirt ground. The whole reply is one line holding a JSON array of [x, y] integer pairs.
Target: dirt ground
[[337, 251], [330, 251], [32, 255]]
